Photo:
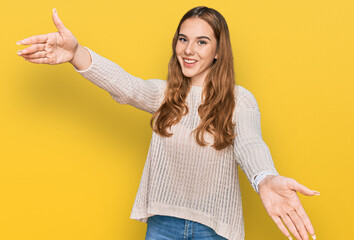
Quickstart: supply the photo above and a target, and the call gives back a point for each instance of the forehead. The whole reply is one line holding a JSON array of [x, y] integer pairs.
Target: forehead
[[194, 27]]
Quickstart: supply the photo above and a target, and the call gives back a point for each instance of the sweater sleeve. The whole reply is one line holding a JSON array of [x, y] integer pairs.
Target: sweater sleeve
[[251, 152], [122, 86]]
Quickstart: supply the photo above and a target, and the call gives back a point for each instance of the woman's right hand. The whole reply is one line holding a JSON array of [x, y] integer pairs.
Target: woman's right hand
[[51, 48]]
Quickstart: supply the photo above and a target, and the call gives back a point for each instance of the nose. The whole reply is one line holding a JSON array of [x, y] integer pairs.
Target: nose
[[189, 50]]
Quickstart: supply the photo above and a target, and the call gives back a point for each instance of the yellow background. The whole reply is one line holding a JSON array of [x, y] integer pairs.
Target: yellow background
[[72, 157]]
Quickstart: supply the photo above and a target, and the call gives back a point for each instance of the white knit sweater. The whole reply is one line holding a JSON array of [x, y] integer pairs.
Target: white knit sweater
[[181, 178]]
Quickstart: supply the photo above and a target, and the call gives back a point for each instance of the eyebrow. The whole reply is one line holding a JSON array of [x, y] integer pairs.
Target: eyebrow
[[200, 37]]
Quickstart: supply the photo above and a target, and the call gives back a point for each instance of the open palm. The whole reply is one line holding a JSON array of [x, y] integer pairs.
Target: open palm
[[279, 198], [50, 48]]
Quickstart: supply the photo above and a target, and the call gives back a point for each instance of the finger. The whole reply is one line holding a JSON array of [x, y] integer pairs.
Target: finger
[[302, 189], [295, 218], [32, 49], [289, 223], [300, 210], [34, 39], [58, 23], [39, 54], [281, 226], [38, 60]]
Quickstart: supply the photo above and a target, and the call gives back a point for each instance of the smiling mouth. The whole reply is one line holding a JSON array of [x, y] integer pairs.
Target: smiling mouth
[[189, 61]]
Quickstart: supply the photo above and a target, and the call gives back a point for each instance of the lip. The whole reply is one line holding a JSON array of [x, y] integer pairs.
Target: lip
[[189, 65], [190, 59]]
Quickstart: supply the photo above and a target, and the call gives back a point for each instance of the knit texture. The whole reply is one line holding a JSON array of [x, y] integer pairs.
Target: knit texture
[[181, 178]]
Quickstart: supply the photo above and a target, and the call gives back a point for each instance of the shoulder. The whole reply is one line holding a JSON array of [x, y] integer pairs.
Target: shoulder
[[245, 102], [244, 98], [158, 84]]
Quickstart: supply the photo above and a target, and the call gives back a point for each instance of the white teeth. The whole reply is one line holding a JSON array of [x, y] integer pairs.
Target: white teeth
[[189, 61]]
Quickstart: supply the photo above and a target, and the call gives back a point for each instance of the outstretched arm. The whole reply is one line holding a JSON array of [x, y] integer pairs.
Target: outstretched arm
[[278, 193], [62, 46]]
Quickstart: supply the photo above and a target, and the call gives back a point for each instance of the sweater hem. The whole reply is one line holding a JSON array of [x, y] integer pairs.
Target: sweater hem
[[222, 229]]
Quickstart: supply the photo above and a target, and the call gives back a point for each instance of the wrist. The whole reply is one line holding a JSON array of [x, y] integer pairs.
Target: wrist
[[75, 53], [264, 181], [82, 58]]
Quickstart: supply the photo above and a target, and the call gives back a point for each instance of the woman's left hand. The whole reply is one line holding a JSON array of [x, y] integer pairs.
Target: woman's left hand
[[279, 198]]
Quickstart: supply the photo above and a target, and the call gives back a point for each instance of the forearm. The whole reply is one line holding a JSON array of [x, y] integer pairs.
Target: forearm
[[82, 59]]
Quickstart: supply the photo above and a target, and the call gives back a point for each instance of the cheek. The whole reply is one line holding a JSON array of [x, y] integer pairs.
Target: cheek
[[206, 53], [179, 49], [211, 53]]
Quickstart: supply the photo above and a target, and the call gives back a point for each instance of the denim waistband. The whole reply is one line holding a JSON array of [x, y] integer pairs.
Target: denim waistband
[[174, 228]]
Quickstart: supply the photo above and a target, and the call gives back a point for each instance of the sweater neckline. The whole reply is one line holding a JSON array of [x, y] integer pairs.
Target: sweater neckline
[[196, 88]]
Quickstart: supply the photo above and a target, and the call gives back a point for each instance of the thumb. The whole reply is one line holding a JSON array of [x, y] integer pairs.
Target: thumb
[[304, 190], [58, 23]]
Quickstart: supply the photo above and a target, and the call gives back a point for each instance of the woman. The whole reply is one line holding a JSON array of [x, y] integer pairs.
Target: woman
[[204, 126]]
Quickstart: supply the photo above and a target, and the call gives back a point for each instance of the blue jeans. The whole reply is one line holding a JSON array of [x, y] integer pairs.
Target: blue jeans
[[160, 227]]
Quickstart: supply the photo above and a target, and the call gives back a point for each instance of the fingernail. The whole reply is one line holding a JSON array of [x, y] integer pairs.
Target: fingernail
[[54, 10], [316, 192], [313, 236], [18, 42], [19, 52], [290, 238]]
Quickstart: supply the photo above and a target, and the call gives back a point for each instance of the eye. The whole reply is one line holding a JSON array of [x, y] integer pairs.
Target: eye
[[202, 42], [182, 38]]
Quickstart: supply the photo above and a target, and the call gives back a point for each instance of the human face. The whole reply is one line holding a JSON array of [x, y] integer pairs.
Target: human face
[[197, 45]]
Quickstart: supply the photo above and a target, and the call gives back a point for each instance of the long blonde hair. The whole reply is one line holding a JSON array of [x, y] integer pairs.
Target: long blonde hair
[[219, 97]]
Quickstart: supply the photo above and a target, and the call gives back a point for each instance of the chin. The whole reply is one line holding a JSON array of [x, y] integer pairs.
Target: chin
[[188, 72], [188, 75]]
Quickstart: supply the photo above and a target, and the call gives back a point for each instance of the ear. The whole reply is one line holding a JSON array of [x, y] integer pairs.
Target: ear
[[216, 56]]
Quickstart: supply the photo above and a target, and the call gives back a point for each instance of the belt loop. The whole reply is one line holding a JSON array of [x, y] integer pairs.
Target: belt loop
[[186, 225], [193, 230]]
